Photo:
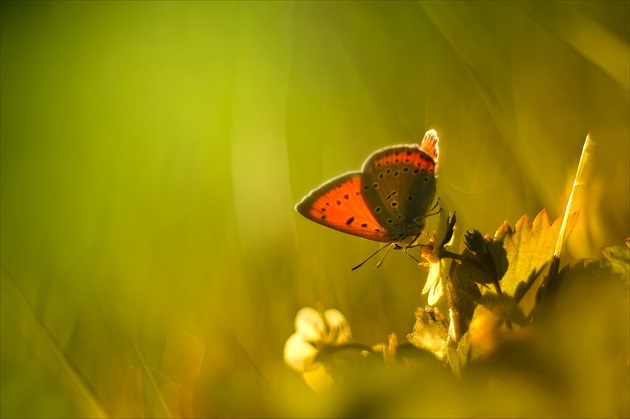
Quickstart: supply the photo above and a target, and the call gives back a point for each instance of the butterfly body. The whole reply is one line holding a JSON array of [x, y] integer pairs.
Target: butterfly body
[[387, 201]]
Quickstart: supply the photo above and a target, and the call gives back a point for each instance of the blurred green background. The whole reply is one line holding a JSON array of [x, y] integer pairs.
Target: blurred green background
[[151, 154]]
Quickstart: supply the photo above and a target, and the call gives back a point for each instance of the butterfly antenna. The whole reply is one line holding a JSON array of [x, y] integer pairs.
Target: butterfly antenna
[[386, 252], [371, 256]]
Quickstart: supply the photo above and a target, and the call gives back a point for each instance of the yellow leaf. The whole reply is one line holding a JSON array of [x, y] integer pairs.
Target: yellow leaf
[[529, 246]]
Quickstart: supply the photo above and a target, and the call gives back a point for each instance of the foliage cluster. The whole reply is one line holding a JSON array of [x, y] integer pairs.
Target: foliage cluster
[[511, 310]]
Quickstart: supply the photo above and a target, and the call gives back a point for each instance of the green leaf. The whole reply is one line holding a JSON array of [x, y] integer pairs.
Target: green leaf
[[586, 283], [490, 253], [523, 287], [618, 258], [503, 307], [484, 260], [461, 293], [469, 270], [475, 243], [529, 246]]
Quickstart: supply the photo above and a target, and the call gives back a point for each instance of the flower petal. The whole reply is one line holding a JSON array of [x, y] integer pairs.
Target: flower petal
[[442, 228], [299, 354], [436, 290], [310, 324], [338, 329], [433, 277], [318, 379]]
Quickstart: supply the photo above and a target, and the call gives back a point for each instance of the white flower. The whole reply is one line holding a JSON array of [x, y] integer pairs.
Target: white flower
[[434, 284], [432, 252], [315, 331]]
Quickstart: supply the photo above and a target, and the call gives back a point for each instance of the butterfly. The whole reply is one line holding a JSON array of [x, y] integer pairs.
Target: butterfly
[[387, 201]]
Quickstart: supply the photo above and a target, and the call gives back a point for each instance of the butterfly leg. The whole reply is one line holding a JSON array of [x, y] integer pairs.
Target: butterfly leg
[[437, 203], [412, 245], [410, 255]]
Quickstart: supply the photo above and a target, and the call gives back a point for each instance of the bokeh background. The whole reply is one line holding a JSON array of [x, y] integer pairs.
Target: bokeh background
[[152, 152]]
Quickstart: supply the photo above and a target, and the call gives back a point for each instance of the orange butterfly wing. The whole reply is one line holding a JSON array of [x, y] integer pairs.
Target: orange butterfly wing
[[338, 204]]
